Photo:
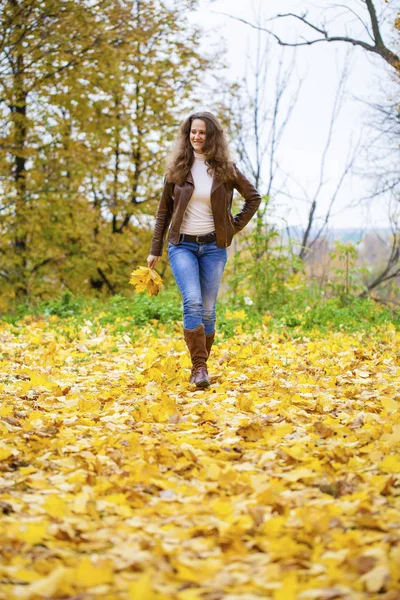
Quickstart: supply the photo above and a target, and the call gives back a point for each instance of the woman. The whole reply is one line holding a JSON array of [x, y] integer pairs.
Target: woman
[[196, 201]]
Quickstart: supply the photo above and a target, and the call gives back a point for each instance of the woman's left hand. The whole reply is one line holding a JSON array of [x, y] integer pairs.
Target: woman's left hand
[[152, 260]]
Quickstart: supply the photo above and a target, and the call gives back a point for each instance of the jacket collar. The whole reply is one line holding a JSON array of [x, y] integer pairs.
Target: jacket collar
[[216, 183], [189, 178]]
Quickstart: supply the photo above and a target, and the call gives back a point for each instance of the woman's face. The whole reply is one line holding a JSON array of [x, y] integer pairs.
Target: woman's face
[[198, 135]]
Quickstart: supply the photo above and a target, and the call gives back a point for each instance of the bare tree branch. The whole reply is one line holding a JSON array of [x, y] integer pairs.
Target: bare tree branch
[[391, 269], [378, 47], [364, 24], [260, 116], [307, 242], [375, 25]]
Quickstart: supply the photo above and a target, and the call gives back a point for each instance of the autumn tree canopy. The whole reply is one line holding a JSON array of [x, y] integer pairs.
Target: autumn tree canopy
[[91, 94]]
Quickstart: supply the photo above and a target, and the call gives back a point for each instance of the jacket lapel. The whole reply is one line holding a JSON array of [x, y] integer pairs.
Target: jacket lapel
[[189, 178], [216, 183]]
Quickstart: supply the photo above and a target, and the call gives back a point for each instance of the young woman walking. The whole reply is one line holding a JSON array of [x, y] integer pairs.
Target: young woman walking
[[195, 206]]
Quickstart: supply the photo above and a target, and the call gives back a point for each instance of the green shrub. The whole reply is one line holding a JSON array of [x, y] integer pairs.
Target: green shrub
[[303, 310]]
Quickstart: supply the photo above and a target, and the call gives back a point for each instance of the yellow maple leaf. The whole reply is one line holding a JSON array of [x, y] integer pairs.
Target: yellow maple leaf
[[38, 380], [296, 451], [213, 472], [251, 432], [5, 453], [222, 508], [142, 589], [296, 474], [45, 587], [54, 506], [394, 437], [390, 464], [288, 589], [5, 410], [27, 576], [273, 527], [245, 404], [375, 578], [89, 405], [87, 574], [145, 279], [32, 533], [389, 404]]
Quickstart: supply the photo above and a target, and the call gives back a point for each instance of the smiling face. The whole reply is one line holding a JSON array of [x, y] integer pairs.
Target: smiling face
[[198, 135]]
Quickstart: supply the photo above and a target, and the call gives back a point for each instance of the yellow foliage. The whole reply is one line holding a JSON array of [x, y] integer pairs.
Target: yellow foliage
[[5, 453], [142, 589], [78, 206], [87, 574], [54, 506], [44, 588], [31, 533], [237, 315], [145, 279], [390, 404], [288, 589], [280, 481], [391, 464]]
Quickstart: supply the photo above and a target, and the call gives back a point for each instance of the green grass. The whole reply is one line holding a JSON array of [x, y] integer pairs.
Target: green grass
[[138, 309], [306, 311], [299, 313], [355, 314]]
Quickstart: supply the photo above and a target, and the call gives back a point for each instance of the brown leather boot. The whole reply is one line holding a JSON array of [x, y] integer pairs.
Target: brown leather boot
[[196, 342], [209, 342]]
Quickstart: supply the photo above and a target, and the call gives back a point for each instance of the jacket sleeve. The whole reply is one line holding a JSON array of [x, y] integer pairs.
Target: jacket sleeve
[[252, 200], [163, 218]]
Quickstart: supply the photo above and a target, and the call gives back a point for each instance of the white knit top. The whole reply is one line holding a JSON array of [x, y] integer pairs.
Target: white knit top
[[198, 218]]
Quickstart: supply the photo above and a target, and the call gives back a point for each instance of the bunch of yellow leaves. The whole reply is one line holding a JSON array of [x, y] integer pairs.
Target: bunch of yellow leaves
[[145, 279]]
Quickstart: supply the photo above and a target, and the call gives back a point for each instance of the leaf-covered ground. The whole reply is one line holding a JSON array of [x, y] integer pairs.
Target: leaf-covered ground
[[119, 481]]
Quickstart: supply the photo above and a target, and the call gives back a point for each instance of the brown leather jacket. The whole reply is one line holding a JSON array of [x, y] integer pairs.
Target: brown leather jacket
[[174, 201]]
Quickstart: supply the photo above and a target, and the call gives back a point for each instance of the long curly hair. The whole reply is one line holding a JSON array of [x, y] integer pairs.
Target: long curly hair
[[215, 150]]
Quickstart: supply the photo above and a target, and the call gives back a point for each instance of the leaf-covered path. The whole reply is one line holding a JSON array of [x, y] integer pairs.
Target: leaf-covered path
[[119, 481]]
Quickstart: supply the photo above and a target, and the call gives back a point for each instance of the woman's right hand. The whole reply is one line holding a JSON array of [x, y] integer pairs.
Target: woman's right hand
[[152, 260]]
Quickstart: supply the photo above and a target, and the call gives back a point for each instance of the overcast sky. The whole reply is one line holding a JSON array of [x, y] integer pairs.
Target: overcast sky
[[319, 66]]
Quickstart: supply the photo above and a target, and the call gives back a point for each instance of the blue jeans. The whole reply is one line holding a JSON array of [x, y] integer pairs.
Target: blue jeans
[[198, 270]]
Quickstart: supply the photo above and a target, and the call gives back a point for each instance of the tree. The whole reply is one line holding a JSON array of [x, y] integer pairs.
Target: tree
[[259, 112], [41, 43], [155, 73], [382, 159], [366, 15], [316, 225], [260, 117], [90, 96]]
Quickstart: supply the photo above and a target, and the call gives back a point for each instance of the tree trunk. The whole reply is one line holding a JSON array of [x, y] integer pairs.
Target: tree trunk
[[19, 119]]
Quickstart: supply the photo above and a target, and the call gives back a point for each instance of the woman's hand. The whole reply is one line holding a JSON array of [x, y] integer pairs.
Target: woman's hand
[[152, 260]]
